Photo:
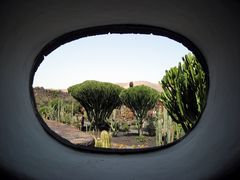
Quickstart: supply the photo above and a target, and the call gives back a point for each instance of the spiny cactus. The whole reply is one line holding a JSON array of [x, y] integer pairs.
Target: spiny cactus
[[166, 130], [98, 142], [104, 141], [185, 89], [158, 133], [113, 124]]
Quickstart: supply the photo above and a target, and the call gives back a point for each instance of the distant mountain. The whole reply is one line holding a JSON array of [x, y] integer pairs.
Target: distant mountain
[[156, 86], [63, 92]]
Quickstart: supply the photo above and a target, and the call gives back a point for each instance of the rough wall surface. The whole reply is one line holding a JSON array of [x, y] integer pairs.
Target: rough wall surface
[[210, 151]]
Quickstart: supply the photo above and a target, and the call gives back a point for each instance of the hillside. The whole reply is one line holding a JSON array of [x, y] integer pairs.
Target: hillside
[[156, 86], [125, 85], [48, 94]]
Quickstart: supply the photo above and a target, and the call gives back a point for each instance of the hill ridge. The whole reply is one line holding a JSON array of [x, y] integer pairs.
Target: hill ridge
[[125, 85]]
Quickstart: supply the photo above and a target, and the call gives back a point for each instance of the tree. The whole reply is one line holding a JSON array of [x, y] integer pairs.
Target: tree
[[140, 99], [131, 84], [185, 91], [99, 100]]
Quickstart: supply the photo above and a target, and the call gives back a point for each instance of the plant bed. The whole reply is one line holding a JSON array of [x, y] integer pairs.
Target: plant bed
[[129, 140]]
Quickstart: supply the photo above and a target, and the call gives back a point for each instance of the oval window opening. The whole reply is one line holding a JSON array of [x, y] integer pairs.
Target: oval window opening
[[120, 91]]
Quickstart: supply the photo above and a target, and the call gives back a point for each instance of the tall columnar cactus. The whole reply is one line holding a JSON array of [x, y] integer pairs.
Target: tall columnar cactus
[[165, 120], [178, 131], [72, 110], [58, 110], [113, 123], [166, 130], [171, 130], [159, 132], [185, 89], [166, 127]]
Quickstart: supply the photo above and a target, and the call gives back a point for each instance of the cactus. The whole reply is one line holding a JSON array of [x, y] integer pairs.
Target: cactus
[[58, 111], [184, 94], [72, 109], [104, 141], [159, 132], [98, 142], [167, 129], [113, 124], [165, 120]]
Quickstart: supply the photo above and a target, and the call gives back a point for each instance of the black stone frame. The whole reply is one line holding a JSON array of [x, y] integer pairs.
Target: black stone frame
[[105, 29]]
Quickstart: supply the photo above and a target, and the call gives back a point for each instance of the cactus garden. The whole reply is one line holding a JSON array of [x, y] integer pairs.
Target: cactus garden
[[108, 115]]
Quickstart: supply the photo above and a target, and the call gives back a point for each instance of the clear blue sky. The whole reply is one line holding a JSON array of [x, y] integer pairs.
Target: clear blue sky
[[109, 58]]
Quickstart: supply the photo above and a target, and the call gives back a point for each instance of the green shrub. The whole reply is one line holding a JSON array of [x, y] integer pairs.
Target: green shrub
[[140, 99], [124, 127], [99, 99], [141, 139]]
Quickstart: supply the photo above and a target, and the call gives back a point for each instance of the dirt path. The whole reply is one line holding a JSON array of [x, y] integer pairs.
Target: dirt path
[[70, 133]]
